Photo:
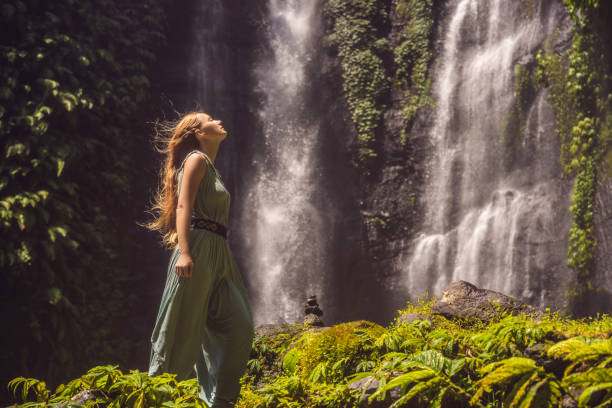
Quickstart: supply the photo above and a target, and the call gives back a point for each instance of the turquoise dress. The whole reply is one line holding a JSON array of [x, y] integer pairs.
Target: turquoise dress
[[204, 321]]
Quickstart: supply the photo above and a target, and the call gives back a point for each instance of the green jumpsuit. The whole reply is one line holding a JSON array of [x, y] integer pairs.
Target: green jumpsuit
[[204, 321]]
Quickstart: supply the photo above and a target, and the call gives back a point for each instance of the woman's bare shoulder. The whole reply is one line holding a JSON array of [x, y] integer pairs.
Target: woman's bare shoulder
[[195, 164]]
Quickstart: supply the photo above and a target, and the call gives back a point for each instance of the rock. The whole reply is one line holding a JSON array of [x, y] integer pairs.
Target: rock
[[82, 397], [313, 320], [568, 402], [312, 312], [269, 330], [368, 385], [462, 300], [408, 318]]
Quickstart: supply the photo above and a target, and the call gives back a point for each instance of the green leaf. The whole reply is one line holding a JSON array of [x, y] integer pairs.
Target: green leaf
[[54, 295], [16, 149], [60, 166], [587, 394], [290, 360], [406, 379]]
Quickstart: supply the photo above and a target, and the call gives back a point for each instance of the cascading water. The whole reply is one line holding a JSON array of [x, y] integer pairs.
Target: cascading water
[[496, 223], [210, 54], [284, 227]]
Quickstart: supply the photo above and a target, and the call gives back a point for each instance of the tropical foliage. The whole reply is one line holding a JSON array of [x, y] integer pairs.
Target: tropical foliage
[[513, 361], [73, 90], [356, 36], [581, 95]]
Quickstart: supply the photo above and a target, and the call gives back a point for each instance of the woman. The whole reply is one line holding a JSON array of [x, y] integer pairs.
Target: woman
[[204, 320]]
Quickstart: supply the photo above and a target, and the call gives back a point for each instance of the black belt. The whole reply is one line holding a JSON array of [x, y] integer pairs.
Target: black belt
[[203, 223]]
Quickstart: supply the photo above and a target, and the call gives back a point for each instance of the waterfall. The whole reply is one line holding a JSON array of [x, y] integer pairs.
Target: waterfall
[[283, 226], [499, 225]]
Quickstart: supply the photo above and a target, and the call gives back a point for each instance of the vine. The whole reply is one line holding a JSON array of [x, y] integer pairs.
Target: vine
[[582, 103], [412, 57], [354, 33]]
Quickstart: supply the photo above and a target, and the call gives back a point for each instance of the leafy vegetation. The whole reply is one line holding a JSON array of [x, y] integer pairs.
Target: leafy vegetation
[[355, 34], [73, 85], [431, 362], [581, 95], [412, 56], [111, 388]]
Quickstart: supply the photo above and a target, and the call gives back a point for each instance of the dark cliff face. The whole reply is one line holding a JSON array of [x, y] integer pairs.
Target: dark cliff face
[[378, 216], [355, 290], [370, 220], [370, 215], [602, 279]]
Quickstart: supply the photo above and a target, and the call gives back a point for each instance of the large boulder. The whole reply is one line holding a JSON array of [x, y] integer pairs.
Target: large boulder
[[462, 300]]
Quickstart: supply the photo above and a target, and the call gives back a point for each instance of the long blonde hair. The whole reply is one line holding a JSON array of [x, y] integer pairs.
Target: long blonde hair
[[175, 140]]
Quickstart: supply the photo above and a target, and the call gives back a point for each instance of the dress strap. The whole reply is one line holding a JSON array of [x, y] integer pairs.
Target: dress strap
[[196, 151]]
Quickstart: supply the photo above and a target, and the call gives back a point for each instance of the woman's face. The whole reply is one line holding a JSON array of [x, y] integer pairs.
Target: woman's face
[[211, 128]]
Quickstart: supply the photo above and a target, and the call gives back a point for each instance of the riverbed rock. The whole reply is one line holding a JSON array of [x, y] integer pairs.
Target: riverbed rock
[[271, 330], [368, 386], [407, 318], [462, 300], [83, 397]]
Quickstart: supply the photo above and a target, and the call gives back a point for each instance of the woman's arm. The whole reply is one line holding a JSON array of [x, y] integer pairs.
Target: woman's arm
[[193, 172]]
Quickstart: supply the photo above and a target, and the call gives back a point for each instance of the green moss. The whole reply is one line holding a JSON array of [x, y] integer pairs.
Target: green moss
[[359, 44], [382, 222], [412, 56], [347, 341], [429, 359], [355, 35], [579, 86]]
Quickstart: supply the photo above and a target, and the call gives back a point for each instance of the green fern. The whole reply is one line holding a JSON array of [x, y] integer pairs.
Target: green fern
[[591, 381], [579, 350], [113, 389], [448, 343], [430, 375], [27, 385], [531, 385]]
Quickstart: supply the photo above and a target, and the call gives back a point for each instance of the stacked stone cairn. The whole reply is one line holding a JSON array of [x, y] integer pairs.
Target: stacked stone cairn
[[313, 312]]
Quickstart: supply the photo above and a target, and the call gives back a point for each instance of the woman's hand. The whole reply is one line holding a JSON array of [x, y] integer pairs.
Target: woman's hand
[[184, 266]]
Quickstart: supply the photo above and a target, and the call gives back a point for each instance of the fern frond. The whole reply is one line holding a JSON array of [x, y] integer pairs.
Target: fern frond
[[359, 376], [579, 348], [582, 349], [502, 372], [585, 398], [545, 394], [413, 344], [419, 388], [430, 359], [519, 391], [39, 388], [403, 381], [588, 378]]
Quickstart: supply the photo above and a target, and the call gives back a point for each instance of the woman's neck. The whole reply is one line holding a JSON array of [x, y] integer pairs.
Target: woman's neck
[[210, 148]]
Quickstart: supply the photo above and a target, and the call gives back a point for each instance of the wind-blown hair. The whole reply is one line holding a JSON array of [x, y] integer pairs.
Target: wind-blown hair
[[175, 140]]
